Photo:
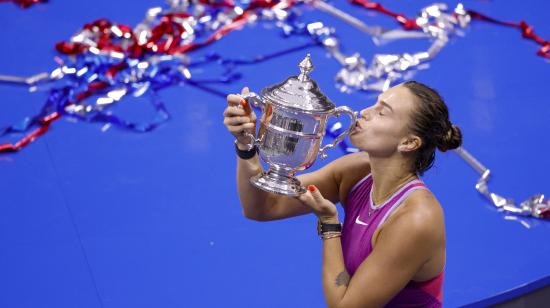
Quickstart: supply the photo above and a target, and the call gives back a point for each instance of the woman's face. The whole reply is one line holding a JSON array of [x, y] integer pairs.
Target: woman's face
[[382, 127]]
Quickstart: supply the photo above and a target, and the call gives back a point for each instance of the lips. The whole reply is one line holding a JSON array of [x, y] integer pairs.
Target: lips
[[358, 126]]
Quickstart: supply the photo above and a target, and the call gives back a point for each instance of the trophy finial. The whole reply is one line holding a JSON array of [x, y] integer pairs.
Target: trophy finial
[[305, 68]]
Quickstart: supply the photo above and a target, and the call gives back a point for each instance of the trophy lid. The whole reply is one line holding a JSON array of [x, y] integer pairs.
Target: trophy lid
[[299, 92]]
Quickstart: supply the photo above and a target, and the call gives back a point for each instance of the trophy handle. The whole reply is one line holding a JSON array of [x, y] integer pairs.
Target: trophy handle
[[256, 101], [253, 99], [338, 111]]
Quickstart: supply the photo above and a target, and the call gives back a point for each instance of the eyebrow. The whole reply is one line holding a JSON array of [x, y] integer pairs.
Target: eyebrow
[[384, 103]]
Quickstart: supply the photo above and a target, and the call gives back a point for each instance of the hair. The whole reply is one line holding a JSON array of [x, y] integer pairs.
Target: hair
[[430, 121]]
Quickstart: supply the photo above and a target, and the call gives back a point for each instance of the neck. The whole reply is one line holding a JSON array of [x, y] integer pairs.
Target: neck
[[388, 175]]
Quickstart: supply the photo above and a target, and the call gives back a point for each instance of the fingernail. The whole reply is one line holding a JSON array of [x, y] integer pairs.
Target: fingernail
[[242, 102], [311, 188]]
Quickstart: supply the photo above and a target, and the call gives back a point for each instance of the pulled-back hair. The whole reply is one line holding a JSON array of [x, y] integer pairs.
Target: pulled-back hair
[[430, 121]]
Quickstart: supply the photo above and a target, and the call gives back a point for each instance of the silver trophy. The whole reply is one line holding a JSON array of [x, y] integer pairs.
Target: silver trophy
[[292, 126]]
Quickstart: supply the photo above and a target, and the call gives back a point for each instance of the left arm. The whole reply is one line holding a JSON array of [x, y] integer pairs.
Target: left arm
[[401, 250]]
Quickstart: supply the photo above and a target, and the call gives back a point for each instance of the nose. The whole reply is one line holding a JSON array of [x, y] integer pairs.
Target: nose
[[365, 113]]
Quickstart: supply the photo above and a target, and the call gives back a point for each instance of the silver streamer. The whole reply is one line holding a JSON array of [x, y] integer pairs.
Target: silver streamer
[[435, 21], [29, 81], [536, 206], [385, 69]]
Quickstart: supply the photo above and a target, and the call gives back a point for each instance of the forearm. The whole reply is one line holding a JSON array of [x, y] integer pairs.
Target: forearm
[[253, 200], [334, 274]]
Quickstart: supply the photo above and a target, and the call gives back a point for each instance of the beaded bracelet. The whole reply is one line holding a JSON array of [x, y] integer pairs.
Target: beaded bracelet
[[329, 235]]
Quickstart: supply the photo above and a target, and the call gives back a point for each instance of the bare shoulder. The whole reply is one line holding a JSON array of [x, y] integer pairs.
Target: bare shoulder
[[353, 160], [417, 227], [422, 214], [423, 204]]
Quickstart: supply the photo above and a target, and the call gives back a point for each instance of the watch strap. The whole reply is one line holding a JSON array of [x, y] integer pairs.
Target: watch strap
[[245, 154], [324, 228]]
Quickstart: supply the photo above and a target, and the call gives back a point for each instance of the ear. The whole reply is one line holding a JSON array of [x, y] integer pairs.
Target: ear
[[410, 143]]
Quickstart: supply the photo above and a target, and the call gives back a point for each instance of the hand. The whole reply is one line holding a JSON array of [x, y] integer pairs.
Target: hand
[[324, 209], [239, 118]]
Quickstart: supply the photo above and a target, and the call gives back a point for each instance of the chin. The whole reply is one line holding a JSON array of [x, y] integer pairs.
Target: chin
[[358, 143]]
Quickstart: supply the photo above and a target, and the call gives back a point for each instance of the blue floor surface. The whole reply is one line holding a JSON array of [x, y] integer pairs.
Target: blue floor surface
[[110, 218]]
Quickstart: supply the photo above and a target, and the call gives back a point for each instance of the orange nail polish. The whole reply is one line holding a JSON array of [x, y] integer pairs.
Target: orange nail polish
[[246, 106], [311, 188]]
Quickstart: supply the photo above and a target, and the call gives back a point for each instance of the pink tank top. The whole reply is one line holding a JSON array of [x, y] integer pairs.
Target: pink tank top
[[362, 219]]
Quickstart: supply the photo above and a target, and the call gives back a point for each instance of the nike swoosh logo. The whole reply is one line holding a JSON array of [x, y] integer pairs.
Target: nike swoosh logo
[[358, 221]]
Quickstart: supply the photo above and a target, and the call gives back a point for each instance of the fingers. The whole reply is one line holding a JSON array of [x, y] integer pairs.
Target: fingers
[[238, 115], [323, 208], [246, 107], [234, 99], [239, 129], [236, 120], [233, 111], [238, 107], [316, 194], [311, 197]]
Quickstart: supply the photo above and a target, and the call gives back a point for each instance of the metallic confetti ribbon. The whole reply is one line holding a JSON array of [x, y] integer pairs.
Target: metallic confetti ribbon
[[384, 69], [168, 34], [108, 61], [411, 24], [438, 23], [536, 206], [433, 22]]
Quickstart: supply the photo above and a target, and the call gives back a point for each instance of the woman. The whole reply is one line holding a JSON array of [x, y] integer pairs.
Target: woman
[[391, 251]]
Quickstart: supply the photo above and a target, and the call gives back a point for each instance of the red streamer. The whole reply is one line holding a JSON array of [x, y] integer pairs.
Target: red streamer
[[410, 24], [24, 3], [165, 39], [526, 31], [165, 36], [44, 126], [406, 23]]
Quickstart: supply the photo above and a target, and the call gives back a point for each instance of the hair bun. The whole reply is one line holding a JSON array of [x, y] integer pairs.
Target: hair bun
[[451, 140]]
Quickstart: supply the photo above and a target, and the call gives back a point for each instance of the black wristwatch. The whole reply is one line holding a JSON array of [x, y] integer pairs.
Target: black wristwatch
[[247, 154], [323, 228]]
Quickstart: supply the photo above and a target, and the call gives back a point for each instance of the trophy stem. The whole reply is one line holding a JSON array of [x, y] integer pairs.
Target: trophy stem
[[278, 181]]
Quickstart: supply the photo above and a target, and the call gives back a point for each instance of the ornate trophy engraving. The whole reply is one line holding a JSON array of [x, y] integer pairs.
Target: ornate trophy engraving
[[292, 126]]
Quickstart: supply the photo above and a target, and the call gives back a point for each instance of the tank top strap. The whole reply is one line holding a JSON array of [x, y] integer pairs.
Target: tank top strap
[[365, 180], [395, 201], [357, 196]]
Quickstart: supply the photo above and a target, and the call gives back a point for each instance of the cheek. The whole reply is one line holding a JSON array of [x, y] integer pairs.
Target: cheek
[[379, 136], [382, 131]]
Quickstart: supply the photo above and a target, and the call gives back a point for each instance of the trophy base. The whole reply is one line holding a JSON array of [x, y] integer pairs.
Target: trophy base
[[278, 183]]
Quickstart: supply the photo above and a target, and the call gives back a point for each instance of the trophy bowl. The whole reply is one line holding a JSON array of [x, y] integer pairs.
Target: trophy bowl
[[292, 126]]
